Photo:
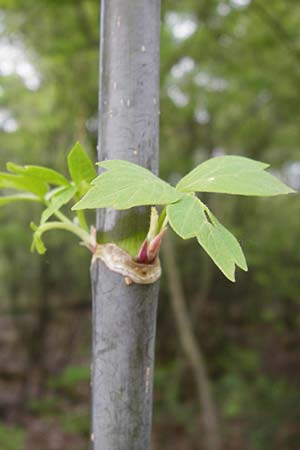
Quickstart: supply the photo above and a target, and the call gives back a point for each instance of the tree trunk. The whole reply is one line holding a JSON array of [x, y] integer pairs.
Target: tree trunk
[[124, 317], [193, 352]]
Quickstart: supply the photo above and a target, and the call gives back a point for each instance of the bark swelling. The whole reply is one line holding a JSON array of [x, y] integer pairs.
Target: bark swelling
[[124, 316]]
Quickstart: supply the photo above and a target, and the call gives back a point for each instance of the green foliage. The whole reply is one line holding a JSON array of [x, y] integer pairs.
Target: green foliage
[[76, 422], [12, 438], [81, 168], [233, 175], [263, 402], [44, 173], [23, 183], [35, 183], [191, 218], [222, 246], [71, 377], [168, 387], [245, 79], [186, 216], [126, 185], [18, 197], [58, 199], [37, 243]]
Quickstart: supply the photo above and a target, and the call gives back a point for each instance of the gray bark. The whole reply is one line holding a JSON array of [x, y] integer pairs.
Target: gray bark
[[124, 317]]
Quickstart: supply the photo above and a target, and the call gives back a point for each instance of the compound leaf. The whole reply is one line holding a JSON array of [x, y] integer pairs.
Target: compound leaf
[[233, 175], [126, 185], [191, 218]]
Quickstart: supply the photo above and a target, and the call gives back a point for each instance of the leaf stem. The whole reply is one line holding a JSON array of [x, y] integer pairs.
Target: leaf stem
[[163, 219], [62, 217], [78, 231], [82, 220]]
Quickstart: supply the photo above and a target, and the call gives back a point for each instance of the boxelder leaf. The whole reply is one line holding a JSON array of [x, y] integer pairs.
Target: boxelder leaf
[[186, 216], [191, 218], [19, 197], [233, 175], [229, 241], [62, 196], [14, 168], [222, 246], [126, 185], [81, 168], [44, 173], [22, 182]]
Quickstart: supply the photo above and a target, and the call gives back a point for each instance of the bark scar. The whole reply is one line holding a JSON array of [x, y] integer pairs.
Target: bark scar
[[121, 262]]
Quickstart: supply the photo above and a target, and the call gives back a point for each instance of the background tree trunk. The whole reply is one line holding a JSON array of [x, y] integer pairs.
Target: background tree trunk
[[124, 317], [212, 436]]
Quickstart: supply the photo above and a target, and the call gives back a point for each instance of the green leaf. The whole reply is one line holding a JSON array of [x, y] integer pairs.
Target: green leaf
[[233, 175], [23, 182], [81, 168], [186, 216], [222, 247], [60, 198], [14, 168], [44, 173], [229, 240], [191, 218], [18, 197], [126, 185]]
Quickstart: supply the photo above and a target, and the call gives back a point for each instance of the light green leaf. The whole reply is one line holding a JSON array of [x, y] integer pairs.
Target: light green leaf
[[222, 246], [81, 168], [44, 173], [186, 216], [18, 197], [233, 175], [14, 168], [126, 185], [191, 218], [229, 241], [23, 182], [63, 196]]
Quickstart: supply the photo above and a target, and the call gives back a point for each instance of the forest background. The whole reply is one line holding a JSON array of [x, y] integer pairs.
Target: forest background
[[230, 84]]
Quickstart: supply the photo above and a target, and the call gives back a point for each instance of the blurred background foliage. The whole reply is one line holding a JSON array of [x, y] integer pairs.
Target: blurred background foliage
[[230, 77]]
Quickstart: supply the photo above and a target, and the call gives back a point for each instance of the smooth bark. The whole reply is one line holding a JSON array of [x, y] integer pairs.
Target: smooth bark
[[124, 317]]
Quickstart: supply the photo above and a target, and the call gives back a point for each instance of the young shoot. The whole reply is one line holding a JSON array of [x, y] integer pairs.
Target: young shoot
[[125, 185]]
